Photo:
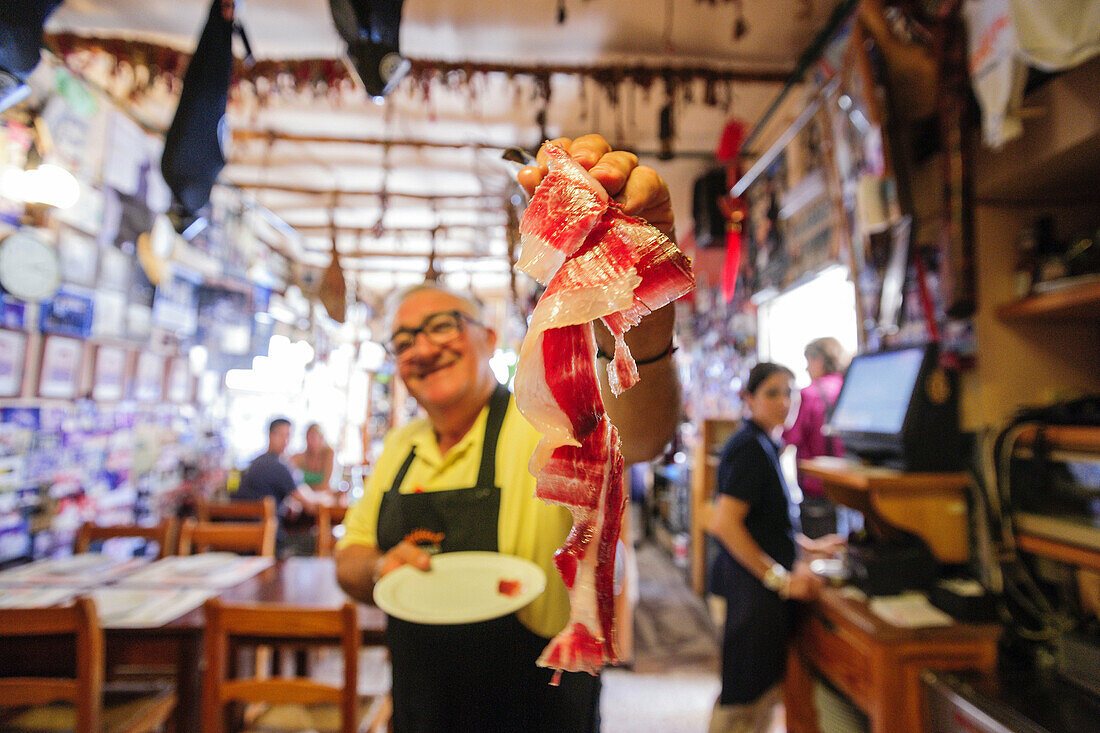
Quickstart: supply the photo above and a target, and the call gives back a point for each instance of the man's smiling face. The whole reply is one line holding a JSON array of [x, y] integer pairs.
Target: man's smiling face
[[438, 376]]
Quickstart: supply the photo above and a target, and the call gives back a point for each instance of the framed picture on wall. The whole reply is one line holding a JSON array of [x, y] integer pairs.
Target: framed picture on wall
[[62, 359], [149, 377], [180, 381], [79, 256], [109, 374], [13, 361]]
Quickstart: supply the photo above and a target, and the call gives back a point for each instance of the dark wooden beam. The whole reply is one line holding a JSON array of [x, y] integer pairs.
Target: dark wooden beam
[[325, 230], [362, 254], [331, 192], [291, 137]]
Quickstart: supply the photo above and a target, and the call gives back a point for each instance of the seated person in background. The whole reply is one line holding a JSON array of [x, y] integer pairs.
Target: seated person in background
[[826, 362], [316, 462], [267, 475]]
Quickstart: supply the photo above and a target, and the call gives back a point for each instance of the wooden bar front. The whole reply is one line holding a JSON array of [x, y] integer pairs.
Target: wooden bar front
[[876, 665]]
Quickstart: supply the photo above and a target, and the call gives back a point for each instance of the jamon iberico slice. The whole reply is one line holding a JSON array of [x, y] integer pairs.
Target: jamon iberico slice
[[597, 263], [564, 208]]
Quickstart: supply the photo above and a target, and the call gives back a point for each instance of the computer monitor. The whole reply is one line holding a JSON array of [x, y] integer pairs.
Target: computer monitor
[[899, 408]]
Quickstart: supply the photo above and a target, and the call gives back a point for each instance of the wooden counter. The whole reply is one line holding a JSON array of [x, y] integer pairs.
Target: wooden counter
[[930, 505], [876, 665]]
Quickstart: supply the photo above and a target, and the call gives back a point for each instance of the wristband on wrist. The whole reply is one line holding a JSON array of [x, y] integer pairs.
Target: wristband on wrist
[[601, 354]]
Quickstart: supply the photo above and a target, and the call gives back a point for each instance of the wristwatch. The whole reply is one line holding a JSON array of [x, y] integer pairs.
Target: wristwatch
[[777, 579]]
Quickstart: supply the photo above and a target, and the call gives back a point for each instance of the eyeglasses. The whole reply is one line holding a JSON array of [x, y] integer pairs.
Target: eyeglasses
[[439, 328]]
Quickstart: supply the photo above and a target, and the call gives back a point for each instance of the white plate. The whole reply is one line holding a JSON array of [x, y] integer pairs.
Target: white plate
[[460, 588]]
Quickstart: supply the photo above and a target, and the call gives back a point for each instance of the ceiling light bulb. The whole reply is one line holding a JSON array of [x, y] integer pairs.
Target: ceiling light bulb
[[51, 185]]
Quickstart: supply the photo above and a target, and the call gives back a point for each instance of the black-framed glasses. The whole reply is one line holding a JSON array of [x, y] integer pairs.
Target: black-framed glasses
[[439, 328]]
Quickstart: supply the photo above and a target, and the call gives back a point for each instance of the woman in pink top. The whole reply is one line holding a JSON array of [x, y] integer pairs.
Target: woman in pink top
[[825, 361]]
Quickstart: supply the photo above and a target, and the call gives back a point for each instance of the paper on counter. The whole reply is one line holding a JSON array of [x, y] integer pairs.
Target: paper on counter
[[909, 610]]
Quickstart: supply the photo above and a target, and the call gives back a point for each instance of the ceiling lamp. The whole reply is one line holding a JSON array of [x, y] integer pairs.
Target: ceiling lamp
[[371, 29]]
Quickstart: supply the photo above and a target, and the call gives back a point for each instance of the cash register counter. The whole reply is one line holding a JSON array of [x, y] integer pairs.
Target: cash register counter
[[875, 664]]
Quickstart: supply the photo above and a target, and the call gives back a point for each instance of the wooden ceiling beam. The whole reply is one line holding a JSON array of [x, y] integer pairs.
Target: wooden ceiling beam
[[324, 230], [294, 217], [363, 254], [273, 135], [610, 71], [356, 265], [330, 192], [274, 162]]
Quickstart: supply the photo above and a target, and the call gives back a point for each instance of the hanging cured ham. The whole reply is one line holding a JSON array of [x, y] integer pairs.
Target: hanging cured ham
[[596, 262]]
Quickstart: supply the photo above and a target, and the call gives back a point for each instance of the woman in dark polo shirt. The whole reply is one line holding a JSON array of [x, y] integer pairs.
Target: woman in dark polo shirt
[[755, 570]]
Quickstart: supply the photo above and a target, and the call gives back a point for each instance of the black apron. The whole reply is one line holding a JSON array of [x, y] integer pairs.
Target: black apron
[[480, 676]]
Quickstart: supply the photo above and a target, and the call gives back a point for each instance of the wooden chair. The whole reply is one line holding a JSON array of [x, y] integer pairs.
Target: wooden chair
[[164, 534], [262, 510], [42, 701], [327, 518], [257, 538], [296, 703]]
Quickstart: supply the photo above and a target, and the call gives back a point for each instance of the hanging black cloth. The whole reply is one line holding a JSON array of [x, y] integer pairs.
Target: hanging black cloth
[[21, 34], [195, 147], [372, 31], [20, 46]]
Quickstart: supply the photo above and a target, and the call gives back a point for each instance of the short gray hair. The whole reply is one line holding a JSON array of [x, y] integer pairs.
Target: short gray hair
[[399, 296]]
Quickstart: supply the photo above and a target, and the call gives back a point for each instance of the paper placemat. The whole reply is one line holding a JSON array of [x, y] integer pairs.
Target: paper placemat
[[84, 569], [909, 610], [36, 597], [205, 570], [132, 608]]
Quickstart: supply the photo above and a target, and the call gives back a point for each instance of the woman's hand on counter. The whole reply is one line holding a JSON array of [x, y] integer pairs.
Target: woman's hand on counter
[[830, 545], [803, 584]]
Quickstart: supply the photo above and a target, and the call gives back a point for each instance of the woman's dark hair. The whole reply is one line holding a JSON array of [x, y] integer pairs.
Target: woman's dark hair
[[831, 353], [762, 371]]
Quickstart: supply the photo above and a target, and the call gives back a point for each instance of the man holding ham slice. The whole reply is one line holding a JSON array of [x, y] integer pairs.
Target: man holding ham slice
[[460, 476]]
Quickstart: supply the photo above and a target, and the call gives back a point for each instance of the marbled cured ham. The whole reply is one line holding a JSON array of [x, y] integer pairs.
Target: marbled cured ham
[[559, 215], [596, 262]]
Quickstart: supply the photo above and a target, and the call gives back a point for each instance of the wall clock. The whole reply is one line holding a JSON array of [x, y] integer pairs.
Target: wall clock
[[29, 267]]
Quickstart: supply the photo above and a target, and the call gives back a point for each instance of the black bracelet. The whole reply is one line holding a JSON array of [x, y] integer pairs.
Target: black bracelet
[[600, 354]]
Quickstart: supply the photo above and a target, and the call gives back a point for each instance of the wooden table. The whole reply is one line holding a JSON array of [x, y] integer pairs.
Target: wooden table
[[298, 581], [876, 665]]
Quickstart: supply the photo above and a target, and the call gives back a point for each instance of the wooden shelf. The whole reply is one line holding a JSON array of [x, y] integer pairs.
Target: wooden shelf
[[1058, 156], [1082, 301], [1060, 551], [930, 505], [1082, 438]]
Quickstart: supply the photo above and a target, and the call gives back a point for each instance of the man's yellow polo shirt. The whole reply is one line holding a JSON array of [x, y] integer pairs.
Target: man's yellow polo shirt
[[527, 527]]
